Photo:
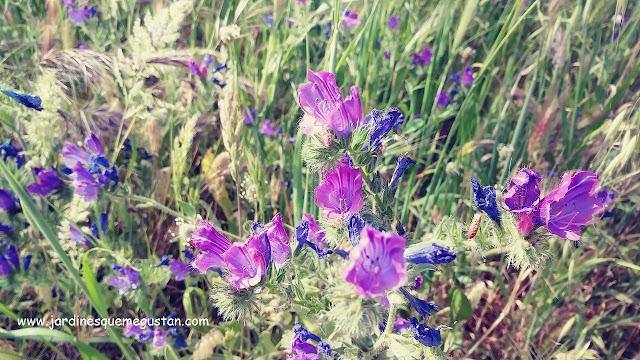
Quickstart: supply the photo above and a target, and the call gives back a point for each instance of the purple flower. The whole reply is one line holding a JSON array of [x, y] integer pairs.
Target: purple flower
[[77, 16], [376, 263], [83, 47], [128, 279], [12, 255], [429, 254], [267, 129], [78, 237], [28, 100], [455, 78], [350, 20], [249, 116], [403, 164], [301, 1], [442, 99], [387, 54], [467, 76], [5, 228], [303, 237], [72, 155], [340, 193], [211, 245], [188, 255], [393, 22], [570, 206], [68, 2], [523, 191], [606, 196], [302, 350], [485, 199], [355, 224], [92, 143], [324, 107], [132, 330], [84, 184], [402, 325], [423, 307], [247, 262], [207, 61], [26, 261], [418, 284], [179, 269], [193, 68], [278, 239], [425, 335], [423, 58], [5, 267], [159, 340], [381, 123], [6, 200]]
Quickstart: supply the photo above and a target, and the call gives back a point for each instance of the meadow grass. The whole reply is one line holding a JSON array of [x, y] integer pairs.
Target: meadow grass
[[555, 90]]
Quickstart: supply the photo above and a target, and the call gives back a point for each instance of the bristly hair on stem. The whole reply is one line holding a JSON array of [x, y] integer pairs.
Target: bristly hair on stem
[[234, 304]]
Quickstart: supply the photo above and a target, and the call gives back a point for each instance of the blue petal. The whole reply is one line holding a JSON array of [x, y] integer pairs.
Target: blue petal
[[425, 335], [429, 254], [28, 100], [423, 307], [485, 199]]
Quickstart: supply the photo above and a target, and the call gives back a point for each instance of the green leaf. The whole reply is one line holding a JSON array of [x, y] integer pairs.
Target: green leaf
[[95, 292], [460, 306], [187, 209]]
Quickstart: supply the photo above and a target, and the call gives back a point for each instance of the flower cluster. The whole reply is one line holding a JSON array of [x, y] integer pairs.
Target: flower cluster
[[79, 15], [129, 278], [245, 262], [573, 204], [89, 172], [202, 70], [301, 349]]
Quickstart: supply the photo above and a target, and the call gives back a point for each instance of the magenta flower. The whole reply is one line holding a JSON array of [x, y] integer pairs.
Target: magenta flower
[[267, 129], [467, 77], [324, 107], [315, 231], [128, 279], [92, 143], [340, 193], [49, 180], [211, 245], [423, 58], [393, 22], [84, 184], [278, 240], [249, 116], [376, 263], [402, 325], [387, 54], [302, 350], [523, 191], [247, 262], [442, 99], [572, 205], [350, 20], [179, 269], [159, 340], [77, 16], [72, 155]]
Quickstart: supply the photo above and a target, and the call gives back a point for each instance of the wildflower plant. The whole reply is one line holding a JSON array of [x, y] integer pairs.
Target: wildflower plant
[[317, 180]]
